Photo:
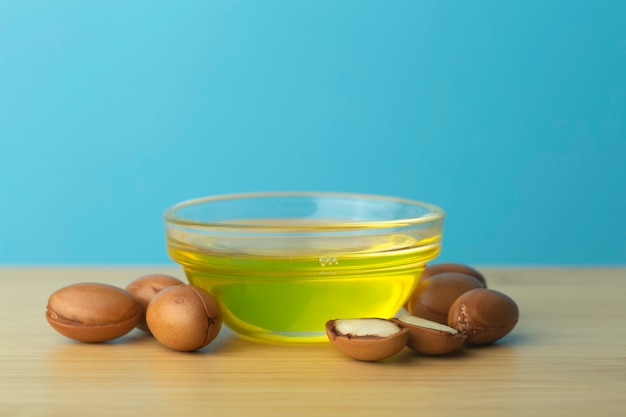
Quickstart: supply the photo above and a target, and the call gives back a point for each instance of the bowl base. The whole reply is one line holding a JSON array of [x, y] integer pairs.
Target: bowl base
[[286, 338]]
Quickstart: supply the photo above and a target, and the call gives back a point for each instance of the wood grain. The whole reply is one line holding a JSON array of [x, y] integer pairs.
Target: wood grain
[[566, 357]]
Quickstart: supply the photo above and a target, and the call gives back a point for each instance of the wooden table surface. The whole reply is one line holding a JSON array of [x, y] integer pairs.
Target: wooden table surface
[[566, 357]]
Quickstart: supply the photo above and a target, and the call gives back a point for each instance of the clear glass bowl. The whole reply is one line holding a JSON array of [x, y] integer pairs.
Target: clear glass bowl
[[281, 264]]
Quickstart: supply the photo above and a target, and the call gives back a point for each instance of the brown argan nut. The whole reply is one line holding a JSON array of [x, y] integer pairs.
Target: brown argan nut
[[184, 317], [367, 339], [429, 337], [91, 312], [436, 269], [483, 315], [433, 297], [145, 288]]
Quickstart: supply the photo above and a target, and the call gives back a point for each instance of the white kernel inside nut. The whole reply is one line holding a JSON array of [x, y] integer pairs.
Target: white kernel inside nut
[[429, 324], [366, 327]]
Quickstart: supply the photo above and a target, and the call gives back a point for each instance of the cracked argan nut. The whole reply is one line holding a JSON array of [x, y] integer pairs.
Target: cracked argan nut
[[145, 288], [429, 337], [92, 312], [184, 317], [436, 269], [367, 339], [483, 315], [433, 297]]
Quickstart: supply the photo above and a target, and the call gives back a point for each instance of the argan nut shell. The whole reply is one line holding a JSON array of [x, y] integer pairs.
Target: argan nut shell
[[433, 297], [431, 341], [441, 268], [92, 312], [367, 348], [145, 288], [184, 317], [484, 315]]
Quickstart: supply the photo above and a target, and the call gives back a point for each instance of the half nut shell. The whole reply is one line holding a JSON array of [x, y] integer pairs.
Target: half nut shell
[[364, 345], [429, 337]]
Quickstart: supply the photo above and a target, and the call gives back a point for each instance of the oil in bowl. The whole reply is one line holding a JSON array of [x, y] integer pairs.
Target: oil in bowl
[[282, 264]]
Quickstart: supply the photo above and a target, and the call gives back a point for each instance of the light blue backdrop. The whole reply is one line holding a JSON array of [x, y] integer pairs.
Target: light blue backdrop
[[511, 115]]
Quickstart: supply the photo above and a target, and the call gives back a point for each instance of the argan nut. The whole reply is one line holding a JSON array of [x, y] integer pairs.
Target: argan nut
[[367, 339], [91, 312], [436, 269], [184, 317], [429, 337], [433, 297], [483, 315], [145, 288]]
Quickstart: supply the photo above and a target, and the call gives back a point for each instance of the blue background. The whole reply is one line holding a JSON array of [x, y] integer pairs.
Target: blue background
[[510, 115]]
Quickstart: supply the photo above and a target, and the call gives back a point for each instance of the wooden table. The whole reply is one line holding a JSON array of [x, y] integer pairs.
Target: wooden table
[[566, 357]]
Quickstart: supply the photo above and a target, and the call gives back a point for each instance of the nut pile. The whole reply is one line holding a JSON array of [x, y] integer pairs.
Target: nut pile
[[180, 316], [450, 307]]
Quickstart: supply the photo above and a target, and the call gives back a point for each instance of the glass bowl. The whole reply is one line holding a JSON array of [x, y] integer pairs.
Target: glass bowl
[[281, 264]]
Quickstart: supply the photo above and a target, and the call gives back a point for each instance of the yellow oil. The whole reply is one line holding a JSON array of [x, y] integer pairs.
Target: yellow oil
[[286, 291]]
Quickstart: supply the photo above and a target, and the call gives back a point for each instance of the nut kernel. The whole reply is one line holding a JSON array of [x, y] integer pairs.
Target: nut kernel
[[441, 268], [433, 297], [92, 312], [145, 288], [483, 315], [367, 339], [184, 317]]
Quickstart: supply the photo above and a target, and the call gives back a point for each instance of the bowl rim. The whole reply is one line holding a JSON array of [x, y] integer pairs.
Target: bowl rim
[[435, 213]]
